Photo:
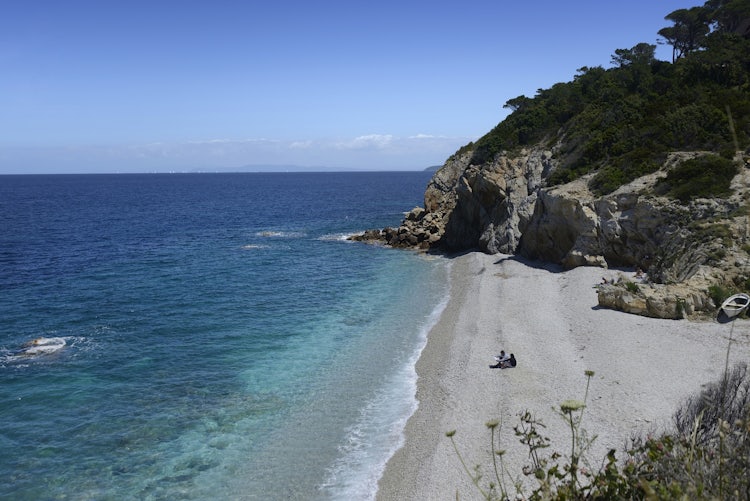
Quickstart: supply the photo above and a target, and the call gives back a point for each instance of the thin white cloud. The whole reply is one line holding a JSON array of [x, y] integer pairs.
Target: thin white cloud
[[378, 141], [370, 151], [260, 140]]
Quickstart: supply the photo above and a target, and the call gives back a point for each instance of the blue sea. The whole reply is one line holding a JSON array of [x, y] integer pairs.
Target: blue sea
[[219, 338]]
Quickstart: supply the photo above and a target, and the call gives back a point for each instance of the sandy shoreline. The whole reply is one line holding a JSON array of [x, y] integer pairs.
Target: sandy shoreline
[[550, 320]]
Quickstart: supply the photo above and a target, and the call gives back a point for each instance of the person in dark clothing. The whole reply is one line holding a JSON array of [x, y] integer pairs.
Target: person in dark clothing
[[505, 363]]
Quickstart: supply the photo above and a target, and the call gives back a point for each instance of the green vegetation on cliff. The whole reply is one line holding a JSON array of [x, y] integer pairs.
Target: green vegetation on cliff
[[700, 177], [621, 122]]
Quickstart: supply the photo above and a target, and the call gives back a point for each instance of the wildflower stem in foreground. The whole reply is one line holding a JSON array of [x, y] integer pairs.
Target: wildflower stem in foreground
[[460, 458]]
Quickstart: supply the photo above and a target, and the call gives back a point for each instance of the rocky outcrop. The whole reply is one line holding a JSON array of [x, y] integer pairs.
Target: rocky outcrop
[[646, 298], [504, 207], [420, 230]]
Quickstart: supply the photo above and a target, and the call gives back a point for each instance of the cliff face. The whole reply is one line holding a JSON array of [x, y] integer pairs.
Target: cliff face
[[504, 207]]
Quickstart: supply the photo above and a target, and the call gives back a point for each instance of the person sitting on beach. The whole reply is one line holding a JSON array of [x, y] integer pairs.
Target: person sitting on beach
[[501, 359], [507, 364]]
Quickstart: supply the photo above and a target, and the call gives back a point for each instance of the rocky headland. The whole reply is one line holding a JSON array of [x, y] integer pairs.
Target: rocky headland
[[633, 180], [506, 206]]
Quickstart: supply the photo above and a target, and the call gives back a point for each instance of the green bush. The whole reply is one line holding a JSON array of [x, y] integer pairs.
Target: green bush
[[702, 177], [718, 294], [632, 287]]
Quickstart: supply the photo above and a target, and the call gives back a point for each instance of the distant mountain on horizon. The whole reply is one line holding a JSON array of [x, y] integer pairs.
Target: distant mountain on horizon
[[300, 168], [283, 168]]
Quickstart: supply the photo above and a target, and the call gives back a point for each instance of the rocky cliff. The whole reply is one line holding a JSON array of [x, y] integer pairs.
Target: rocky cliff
[[505, 206]]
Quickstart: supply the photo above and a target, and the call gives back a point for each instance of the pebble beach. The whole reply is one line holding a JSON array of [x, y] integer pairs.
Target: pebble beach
[[644, 368]]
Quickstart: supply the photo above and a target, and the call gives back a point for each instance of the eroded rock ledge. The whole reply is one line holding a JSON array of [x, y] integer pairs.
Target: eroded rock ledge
[[505, 207]]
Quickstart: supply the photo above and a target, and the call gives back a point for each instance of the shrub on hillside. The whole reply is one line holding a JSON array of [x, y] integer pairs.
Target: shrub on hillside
[[620, 122], [703, 177]]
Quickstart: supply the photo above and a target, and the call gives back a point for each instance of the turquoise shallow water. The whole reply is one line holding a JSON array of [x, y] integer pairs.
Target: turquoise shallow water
[[223, 340]]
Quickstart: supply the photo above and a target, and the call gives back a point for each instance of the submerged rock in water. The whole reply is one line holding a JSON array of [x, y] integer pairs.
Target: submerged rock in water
[[42, 346]]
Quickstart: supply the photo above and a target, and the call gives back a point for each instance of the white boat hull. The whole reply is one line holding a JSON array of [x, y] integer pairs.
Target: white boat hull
[[735, 305]]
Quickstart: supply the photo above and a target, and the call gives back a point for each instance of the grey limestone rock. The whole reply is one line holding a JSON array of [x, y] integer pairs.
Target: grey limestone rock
[[504, 206]]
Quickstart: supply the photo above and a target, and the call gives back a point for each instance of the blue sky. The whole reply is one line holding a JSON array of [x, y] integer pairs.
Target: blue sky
[[97, 86]]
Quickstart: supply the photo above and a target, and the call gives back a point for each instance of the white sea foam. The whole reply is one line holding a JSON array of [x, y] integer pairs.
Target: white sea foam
[[280, 234], [379, 431], [38, 347], [337, 237], [43, 346]]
